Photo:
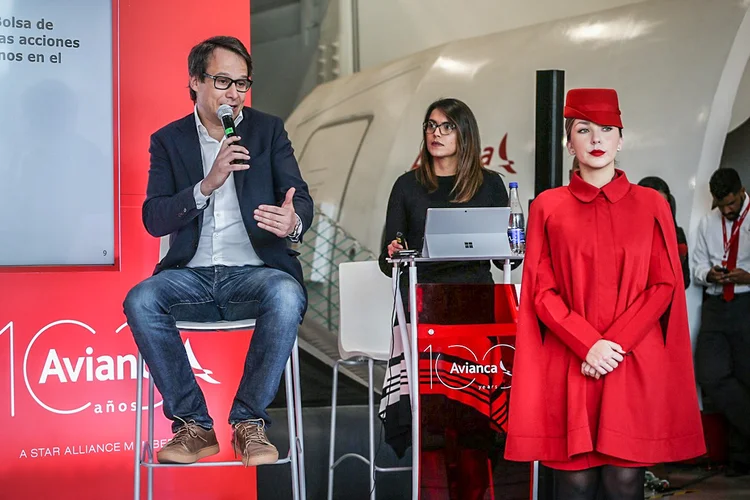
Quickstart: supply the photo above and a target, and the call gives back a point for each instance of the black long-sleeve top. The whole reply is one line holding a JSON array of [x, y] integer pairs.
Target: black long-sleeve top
[[407, 213], [682, 247]]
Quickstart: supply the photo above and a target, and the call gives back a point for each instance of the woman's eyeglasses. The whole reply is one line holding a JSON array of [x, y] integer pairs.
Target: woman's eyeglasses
[[445, 128]]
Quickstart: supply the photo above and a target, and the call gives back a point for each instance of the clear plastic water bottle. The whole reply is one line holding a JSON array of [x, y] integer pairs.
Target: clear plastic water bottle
[[516, 224]]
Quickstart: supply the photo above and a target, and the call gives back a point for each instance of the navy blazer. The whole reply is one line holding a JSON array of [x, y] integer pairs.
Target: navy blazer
[[177, 166]]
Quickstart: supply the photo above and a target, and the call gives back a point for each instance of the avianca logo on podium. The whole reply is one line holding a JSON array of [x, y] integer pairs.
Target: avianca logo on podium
[[467, 367], [456, 374], [83, 367]]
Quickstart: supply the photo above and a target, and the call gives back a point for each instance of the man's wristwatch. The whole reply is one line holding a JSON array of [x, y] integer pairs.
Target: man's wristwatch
[[294, 236]]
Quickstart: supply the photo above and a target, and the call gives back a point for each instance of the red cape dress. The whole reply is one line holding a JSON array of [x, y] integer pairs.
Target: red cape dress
[[602, 263]]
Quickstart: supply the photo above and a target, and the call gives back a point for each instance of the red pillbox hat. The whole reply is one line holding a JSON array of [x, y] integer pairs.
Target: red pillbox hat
[[599, 106]]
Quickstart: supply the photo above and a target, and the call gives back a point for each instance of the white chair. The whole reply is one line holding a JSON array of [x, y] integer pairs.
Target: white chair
[[144, 454], [365, 330]]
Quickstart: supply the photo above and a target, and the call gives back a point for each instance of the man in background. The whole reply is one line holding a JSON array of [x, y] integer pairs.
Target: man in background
[[721, 261]]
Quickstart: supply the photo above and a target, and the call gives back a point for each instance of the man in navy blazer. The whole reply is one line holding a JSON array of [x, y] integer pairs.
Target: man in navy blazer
[[231, 208]]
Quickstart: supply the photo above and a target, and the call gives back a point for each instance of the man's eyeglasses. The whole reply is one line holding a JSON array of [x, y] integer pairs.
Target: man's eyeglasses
[[445, 128], [224, 82]]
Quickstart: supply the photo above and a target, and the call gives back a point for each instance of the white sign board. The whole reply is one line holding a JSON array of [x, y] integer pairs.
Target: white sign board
[[56, 133]]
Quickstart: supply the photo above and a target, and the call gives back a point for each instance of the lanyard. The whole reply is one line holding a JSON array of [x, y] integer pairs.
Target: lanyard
[[735, 233]]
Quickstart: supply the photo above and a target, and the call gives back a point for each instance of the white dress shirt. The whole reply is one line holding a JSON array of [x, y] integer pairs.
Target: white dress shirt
[[709, 248], [224, 240]]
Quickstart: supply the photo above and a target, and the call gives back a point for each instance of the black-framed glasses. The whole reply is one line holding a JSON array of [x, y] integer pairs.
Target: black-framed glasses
[[224, 82], [445, 128]]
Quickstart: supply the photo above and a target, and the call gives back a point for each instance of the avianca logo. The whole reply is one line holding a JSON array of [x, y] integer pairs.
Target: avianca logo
[[89, 367], [502, 153], [198, 370], [472, 368], [471, 364], [104, 368]]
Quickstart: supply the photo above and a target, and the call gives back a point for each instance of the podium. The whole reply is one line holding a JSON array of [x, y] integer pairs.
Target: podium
[[460, 374]]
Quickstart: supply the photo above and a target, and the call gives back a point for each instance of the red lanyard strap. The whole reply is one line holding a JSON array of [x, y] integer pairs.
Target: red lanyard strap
[[735, 233]]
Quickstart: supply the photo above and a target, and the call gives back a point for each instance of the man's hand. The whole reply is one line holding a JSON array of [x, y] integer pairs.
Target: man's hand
[[223, 166], [604, 356], [735, 276], [278, 220], [716, 274]]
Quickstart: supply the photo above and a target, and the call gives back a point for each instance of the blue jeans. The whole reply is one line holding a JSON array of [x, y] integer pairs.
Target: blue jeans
[[206, 294]]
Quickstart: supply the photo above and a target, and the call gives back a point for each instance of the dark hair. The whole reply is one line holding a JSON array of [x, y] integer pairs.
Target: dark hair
[[724, 181], [470, 172], [657, 183], [660, 184], [201, 54]]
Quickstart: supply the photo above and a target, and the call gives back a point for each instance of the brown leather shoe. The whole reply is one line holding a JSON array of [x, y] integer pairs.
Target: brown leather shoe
[[190, 443], [250, 441]]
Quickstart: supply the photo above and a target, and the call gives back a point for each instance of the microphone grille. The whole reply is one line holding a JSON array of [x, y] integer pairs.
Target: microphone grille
[[224, 110]]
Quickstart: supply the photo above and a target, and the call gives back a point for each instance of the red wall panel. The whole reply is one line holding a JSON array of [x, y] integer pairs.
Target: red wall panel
[[66, 403]]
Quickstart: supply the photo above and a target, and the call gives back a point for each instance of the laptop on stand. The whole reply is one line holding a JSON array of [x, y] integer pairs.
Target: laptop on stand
[[466, 233]]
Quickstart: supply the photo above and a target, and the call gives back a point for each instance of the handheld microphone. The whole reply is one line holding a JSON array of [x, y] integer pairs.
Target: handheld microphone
[[227, 121]]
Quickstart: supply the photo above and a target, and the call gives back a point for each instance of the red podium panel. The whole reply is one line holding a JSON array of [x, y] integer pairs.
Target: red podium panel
[[466, 338]]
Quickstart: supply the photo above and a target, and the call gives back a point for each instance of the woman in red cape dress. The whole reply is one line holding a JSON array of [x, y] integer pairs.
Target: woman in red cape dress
[[603, 382]]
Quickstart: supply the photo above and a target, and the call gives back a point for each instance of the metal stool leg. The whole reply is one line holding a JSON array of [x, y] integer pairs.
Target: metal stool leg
[[370, 461], [150, 448], [332, 445], [290, 414], [300, 444], [138, 423], [145, 452], [370, 419]]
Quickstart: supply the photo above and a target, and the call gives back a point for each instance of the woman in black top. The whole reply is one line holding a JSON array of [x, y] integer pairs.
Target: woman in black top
[[450, 174], [662, 187]]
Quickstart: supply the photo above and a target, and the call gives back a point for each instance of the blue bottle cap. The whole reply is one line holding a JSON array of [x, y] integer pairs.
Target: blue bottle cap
[[513, 185]]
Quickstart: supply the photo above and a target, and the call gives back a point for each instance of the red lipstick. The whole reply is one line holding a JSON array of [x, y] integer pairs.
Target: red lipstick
[[596, 152]]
